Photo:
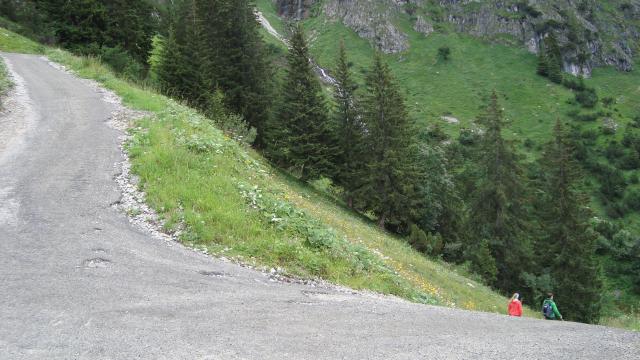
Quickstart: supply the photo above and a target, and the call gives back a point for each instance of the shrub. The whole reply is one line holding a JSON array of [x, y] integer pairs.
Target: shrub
[[607, 101], [623, 243], [468, 136], [632, 199], [574, 83], [483, 263], [616, 210], [630, 160], [444, 53], [612, 182], [418, 239], [605, 228], [588, 97]]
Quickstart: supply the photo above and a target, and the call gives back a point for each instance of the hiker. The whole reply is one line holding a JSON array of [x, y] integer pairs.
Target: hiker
[[515, 306], [550, 310]]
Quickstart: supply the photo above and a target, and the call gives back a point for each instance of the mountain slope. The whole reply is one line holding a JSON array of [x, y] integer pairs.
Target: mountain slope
[[449, 93]]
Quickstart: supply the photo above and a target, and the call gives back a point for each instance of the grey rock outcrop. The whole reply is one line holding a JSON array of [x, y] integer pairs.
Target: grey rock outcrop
[[589, 34]]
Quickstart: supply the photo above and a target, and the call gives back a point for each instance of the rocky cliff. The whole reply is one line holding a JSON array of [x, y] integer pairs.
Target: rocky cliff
[[591, 33]]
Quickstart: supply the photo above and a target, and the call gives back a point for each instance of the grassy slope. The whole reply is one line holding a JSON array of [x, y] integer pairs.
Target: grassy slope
[[192, 173], [460, 86]]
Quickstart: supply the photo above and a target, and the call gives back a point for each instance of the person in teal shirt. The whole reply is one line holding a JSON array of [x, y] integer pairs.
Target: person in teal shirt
[[550, 310]]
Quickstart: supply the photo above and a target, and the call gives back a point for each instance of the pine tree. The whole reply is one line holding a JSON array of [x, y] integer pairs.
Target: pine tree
[[130, 25], [497, 206], [349, 130], [308, 145], [543, 63], [568, 242], [179, 71], [234, 59], [390, 172], [553, 57]]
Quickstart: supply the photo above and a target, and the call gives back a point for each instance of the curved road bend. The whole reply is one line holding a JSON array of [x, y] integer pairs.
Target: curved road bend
[[77, 281]]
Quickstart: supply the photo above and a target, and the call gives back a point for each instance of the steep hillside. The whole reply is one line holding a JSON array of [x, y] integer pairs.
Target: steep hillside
[[450, 92], [488, 43]]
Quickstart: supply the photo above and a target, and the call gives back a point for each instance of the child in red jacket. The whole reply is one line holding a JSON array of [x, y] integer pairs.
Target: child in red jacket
[[515, 306]]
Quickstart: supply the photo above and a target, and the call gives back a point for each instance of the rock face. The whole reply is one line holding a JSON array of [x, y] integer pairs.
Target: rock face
[[590, 33], [294, 9], [372, 20], [423, 26]]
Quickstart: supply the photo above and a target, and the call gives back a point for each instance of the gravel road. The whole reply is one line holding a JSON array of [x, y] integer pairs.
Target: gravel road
[[78, 281]]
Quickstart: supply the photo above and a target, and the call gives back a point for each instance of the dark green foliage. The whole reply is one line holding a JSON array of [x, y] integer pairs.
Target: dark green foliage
[[119, 31], [632, 199], [427, 244], [588, 97], [215, 45], [391, 147], [612, 182], [543, 64], [550, 62], [349, 130], [300, 136], [483, 262], [444, 53], [418, 239], [568, 244], [498, 215], [438, 206]]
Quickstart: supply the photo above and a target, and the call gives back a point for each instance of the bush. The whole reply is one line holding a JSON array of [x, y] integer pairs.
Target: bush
[[616, 210], [588, 97], [630, 160], [444, 53], [632, 199], [483, 263], [418, 239], [231, 124], [123, 63], [605, 228], [574, 83], [468, 136], [612, 182], [623, 243]]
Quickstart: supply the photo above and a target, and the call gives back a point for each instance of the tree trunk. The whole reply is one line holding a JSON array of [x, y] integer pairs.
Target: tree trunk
[[350, 202], [381, 220]]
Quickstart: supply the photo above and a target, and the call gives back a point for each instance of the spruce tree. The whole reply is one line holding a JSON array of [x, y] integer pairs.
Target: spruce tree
[[234, 58], [568, 244], [497, 205], [179, 70], [553, 57], [390, 174], [543, 63], [349, 130], [306, 144]]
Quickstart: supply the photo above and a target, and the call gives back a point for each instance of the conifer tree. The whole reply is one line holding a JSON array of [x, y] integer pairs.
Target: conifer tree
[[233, 58], [390, 172], [568, 244], [349, 130], [301, 135], [543, 63], [553, 58], [497, 210], [179, 71]]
